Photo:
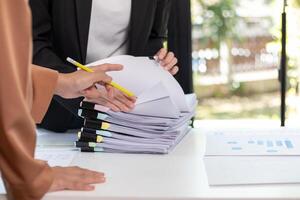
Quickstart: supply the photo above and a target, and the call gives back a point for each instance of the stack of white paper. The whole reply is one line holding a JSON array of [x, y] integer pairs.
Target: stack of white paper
[[157, 123]]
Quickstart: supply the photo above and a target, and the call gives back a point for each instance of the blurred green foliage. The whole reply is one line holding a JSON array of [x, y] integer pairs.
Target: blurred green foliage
[[219, 19]]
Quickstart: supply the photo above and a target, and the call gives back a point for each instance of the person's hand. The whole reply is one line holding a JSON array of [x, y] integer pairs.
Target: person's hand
[[167, 60], [112, 98], [75, 178], [82, 83]]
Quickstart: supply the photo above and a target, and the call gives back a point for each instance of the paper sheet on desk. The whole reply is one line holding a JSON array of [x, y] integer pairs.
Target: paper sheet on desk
[[56, 157], [48, 138], [257, 158], [2, 188], [225, 144], [248, 170]]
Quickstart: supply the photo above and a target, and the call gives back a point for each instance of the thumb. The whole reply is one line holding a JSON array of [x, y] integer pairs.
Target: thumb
[[108, 67]]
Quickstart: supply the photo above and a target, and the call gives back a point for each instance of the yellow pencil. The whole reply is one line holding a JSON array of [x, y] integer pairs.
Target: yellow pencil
[[113, 84]]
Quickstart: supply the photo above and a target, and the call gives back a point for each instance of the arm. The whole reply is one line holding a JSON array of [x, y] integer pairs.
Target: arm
[[44, 53], [158, 36], [25, 178], [41, 80]]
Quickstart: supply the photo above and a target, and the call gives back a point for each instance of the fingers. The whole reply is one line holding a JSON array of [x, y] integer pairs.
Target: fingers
[[168, 66], [101, 76], [111, 98], [128, 102], [101, 98], [162, 53], [121, 105], [79, 186], [75, 178], [88, 176], [174, 70], [110, 91], [167, 60], [92, 93], [106, 103], [108, 67]]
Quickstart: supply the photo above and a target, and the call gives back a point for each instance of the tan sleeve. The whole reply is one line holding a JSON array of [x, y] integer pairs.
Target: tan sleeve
[[44, 82], [20, 86]]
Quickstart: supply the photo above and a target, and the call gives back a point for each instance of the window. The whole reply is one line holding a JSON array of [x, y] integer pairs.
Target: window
[[236, 55]]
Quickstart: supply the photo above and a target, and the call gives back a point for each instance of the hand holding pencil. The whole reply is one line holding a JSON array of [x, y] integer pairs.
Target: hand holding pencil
[[113, 84], [82, 83]]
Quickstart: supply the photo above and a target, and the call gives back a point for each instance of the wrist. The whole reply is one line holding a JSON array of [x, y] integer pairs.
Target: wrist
[[61, 86]]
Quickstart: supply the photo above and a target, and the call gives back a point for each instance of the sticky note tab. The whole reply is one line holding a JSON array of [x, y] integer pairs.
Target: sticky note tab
[[92, 144], [99, 139], [102, 116], [104, 133], [105, 125]]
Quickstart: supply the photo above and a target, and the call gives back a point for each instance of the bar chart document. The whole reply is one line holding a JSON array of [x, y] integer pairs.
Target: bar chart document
[[222, 144], [252, 158]]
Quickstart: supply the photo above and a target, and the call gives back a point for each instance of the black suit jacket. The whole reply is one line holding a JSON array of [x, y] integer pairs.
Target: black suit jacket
[[61, 29]]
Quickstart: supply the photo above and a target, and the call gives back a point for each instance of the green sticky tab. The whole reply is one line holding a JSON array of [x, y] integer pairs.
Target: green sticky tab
[[92, 144], [102, 116]]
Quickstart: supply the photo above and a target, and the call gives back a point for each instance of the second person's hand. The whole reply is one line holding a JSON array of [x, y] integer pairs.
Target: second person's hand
[[167, 60], [112, 98]]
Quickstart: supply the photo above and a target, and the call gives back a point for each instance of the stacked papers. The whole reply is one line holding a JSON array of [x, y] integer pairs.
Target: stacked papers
[[159, 121]]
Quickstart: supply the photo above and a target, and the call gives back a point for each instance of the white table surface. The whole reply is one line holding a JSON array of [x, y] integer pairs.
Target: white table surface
[[179, 175]]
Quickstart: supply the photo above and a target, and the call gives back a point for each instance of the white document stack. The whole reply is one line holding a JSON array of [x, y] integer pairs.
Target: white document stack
[[160, 119]]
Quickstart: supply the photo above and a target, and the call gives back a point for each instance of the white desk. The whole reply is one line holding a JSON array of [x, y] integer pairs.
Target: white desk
[[179, 175]]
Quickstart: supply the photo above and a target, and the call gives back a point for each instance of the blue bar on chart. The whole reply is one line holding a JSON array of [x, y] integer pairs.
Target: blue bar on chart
[[269, 143], [260, 142], [279, 143], [288, 144]]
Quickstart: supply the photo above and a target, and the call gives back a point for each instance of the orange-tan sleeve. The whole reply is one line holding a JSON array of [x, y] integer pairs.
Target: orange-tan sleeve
[[44, 82], [25, 178]]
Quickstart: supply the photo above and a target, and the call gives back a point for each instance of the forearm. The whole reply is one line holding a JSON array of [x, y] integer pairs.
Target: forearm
[[44, 82], [25, 178]]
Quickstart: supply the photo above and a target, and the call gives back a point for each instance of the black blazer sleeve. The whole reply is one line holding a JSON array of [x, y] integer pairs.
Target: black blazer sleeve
[[159, 32], [43, 49], [180, 41]]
